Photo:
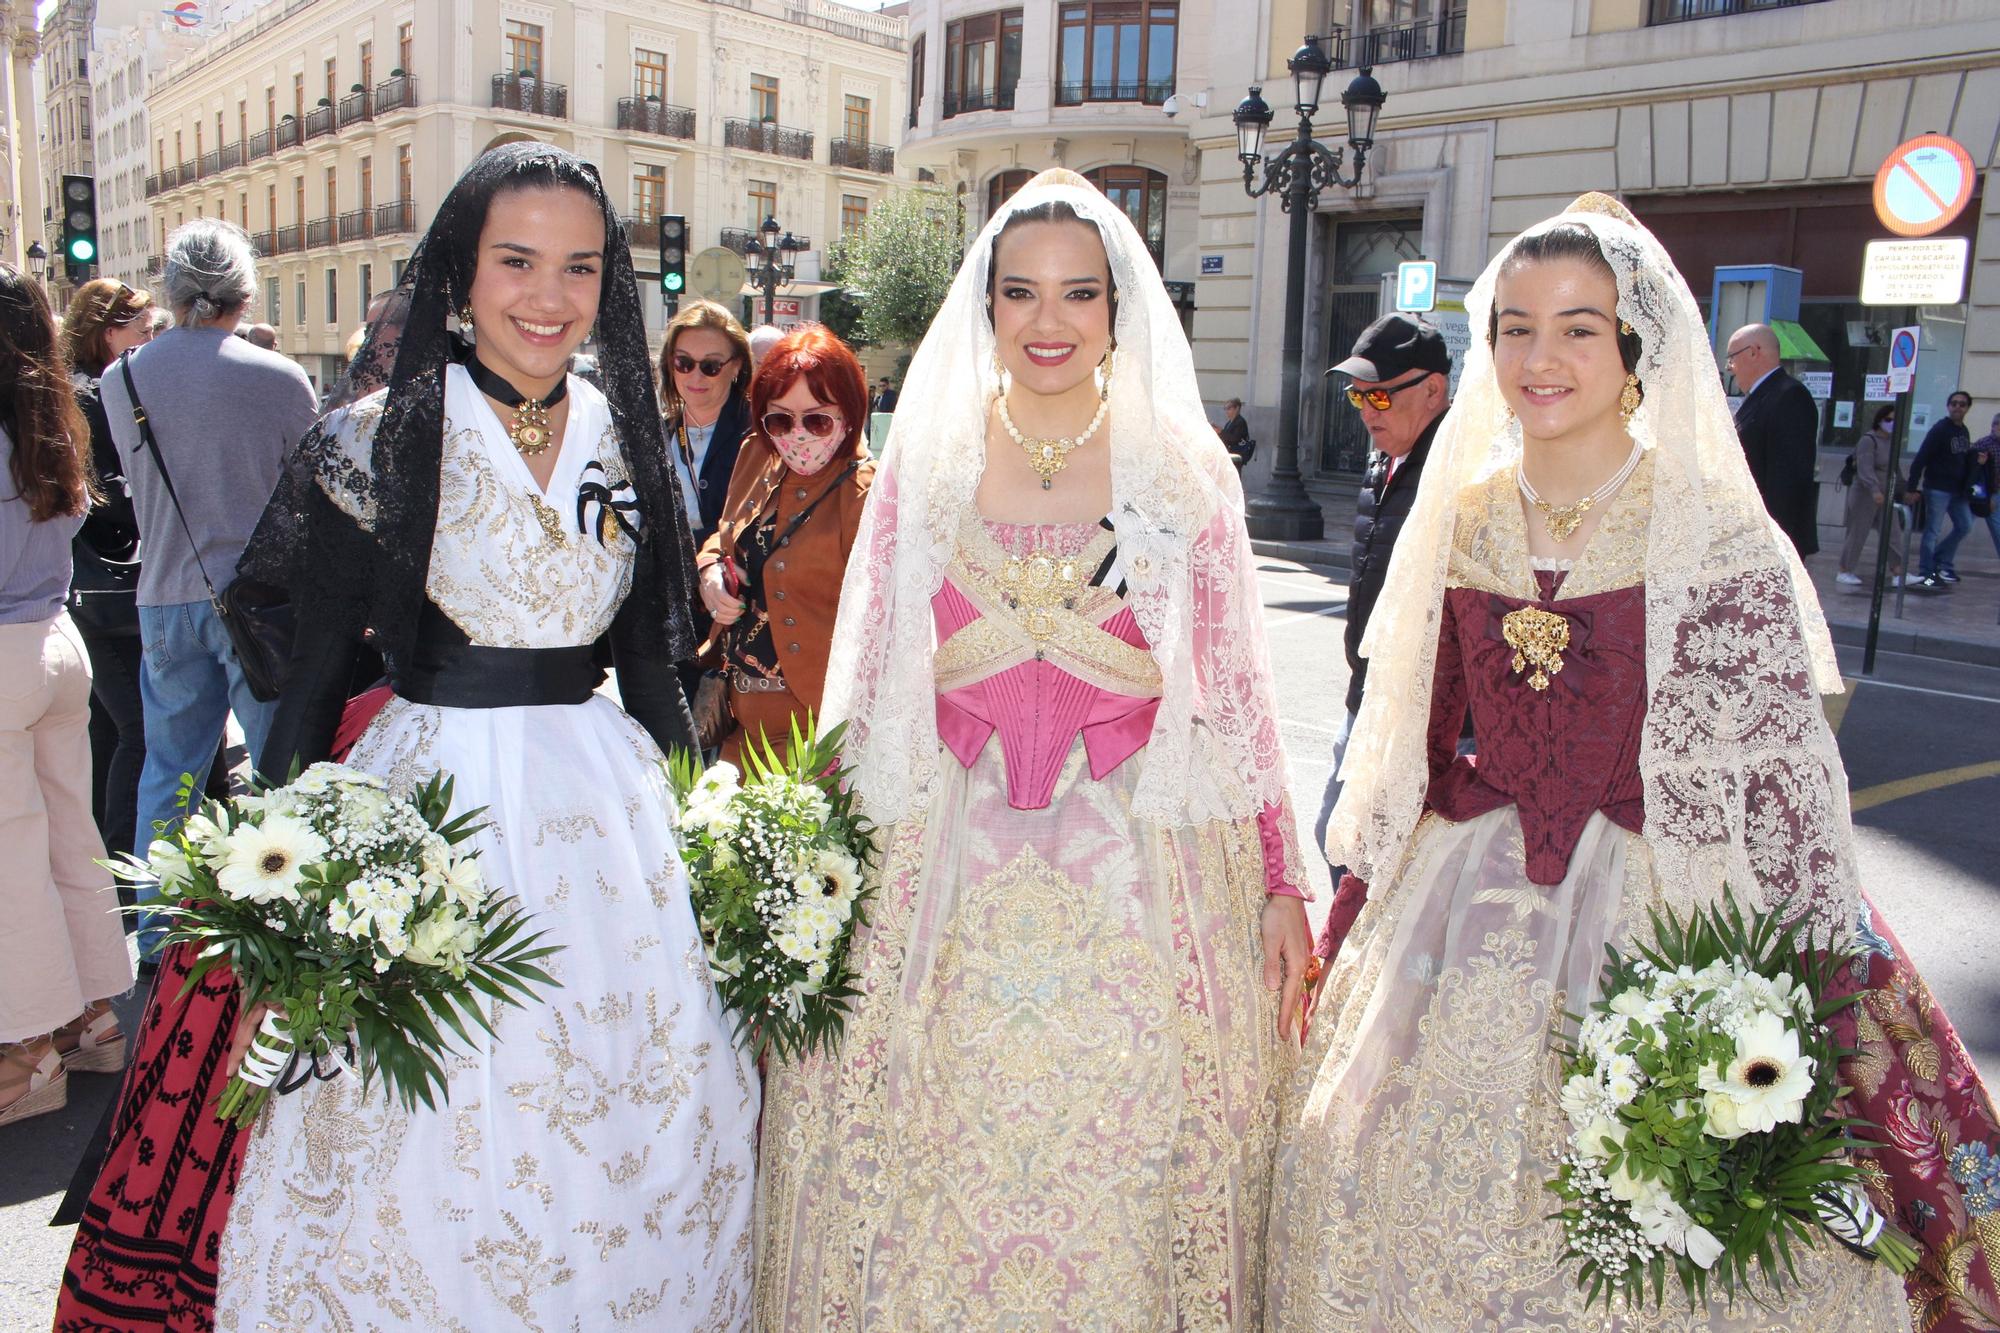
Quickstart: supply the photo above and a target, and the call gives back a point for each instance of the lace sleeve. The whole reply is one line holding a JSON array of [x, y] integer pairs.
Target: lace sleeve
[[1744, 784]]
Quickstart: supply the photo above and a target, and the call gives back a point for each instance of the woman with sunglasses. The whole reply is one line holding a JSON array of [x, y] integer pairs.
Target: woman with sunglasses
[[704, 375], [771, 575]]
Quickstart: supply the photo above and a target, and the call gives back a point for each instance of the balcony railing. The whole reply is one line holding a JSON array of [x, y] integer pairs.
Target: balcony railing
[[154, 185], [978, 99], [231, 155], [257, 146], [358, 225], [1403, 41], [154, 263], [395, 94], [319, 233], [642, 233], [398, 215], [860, 155], [319, 121], [287, 240], [524, 92], [211, 162], [285, 135], [739, 239], [1151, 92], [1680, 11], [762, 136], [355, 106], [650, 116]]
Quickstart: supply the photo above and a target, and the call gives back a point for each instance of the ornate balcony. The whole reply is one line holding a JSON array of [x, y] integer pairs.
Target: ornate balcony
[[398, 215], [642, 233], [353, 107], [1401, 41], [395, 94], [319, 233], [740, 239], [763, 136], [654, 117], [286, 135], [860, 155], [358, 225], [319, 121], [524, 92]]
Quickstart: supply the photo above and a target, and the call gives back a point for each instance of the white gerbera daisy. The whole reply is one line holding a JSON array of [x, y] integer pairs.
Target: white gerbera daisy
[[263, 861], [1765, 1085]]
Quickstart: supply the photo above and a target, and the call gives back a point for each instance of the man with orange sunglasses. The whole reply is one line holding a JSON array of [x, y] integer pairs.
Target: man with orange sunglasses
[[1399, 377]]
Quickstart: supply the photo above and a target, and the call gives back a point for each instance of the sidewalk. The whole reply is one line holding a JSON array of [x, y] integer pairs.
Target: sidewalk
[[1961, 625]]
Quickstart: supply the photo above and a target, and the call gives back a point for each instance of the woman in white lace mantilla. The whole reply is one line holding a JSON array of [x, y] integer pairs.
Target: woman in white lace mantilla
[[1055, 1098], [1588, 569]]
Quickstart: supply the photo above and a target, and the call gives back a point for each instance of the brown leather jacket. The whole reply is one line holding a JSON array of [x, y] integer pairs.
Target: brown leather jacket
[[802, 583]]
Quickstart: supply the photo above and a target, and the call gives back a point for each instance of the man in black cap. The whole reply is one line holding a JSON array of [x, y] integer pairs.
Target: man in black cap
[[1399, 379]]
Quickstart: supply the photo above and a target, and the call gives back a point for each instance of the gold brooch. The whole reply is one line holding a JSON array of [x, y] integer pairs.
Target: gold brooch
[[531, 431], [1538, 639], [1038, 586]]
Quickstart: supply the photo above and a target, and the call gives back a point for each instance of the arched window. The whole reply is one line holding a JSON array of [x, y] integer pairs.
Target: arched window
[[1142, 193], [1002, 187]]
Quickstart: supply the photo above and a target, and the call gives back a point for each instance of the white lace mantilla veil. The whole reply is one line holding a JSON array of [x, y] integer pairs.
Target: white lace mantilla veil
[[1177, 507], [1743, 783]]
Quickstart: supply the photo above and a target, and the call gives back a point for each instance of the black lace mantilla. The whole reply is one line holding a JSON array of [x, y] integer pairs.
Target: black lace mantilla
[[372, 573]]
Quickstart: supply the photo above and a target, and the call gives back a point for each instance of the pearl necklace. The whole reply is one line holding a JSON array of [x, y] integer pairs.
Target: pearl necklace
[[1562, 521], [1048, 457]]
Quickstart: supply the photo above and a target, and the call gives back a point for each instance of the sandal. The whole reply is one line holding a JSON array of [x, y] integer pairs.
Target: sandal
[[32, 1080], [92, 1041]]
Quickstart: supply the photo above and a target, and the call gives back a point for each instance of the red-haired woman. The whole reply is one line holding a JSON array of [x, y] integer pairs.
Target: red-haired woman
[[64, 951], [770, 575]]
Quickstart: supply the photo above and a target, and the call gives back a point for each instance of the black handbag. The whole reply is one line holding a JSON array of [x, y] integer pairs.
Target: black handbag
[[256, 615], [103, 593]]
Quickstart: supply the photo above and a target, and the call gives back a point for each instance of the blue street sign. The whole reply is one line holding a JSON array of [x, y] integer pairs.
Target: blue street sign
[[1416, 285]]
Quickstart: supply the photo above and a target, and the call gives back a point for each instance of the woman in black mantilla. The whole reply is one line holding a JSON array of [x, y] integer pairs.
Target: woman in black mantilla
[[500, 524]]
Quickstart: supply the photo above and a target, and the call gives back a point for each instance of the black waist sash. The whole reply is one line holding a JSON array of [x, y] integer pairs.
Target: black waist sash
[[450, 671]]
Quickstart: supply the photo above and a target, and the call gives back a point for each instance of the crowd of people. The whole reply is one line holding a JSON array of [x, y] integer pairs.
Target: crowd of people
[[1096, 1072]]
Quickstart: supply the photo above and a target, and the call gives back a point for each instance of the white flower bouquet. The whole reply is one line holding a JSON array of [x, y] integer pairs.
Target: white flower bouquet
[[776, 859], [1700, 1092], [362, 920]]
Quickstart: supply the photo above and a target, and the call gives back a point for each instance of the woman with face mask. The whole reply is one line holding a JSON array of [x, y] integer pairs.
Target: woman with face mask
[[1052, 1101], [502, 527], [770, 576]]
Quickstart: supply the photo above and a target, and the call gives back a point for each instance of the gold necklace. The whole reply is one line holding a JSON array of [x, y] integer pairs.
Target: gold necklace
[[1050, 456], [1562, 521], [531, 431]]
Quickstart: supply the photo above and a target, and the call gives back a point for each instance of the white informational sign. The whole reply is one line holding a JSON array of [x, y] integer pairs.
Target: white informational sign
[[1843, 415], [1819, 383], [1875, 389], [1416, 285], [1903, 346], [1927, 272]]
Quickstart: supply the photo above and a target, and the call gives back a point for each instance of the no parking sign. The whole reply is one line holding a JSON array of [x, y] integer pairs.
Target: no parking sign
[[1924, 185], [1903, 345]]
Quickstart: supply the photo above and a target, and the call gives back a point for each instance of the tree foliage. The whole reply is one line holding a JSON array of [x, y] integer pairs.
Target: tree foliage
[[901, 261]]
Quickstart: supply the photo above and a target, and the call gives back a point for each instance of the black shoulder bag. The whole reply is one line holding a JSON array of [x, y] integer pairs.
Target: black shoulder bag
[[256, 616]]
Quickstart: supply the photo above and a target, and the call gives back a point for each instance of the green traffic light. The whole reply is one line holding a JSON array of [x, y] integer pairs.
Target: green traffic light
[[673, 282], [81, 251]]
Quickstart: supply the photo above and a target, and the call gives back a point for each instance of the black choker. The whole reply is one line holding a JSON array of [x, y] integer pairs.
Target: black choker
[[530, 432]]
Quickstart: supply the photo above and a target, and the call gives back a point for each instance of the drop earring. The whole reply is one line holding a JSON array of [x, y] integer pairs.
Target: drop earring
[[465, 321], [999, 369], [1629, 399], [1106, 365]]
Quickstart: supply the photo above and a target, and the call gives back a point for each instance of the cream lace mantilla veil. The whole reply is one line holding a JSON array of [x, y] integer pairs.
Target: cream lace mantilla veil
[[1743, 783], [1177, 507]]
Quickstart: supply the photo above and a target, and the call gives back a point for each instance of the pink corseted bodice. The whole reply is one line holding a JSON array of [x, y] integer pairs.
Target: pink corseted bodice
[[1036, 644]]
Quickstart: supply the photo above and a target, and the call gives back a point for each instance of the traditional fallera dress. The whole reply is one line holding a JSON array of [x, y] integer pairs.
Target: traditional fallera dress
[[1053, 1104], [596, 1163], [1425, 1122]]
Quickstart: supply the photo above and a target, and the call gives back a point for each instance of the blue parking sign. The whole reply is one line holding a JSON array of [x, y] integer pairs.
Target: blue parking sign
[[1416, 285]]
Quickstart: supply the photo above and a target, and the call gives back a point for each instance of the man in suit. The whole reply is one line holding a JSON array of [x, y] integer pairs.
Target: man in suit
[[885, 397], [1778, 424]]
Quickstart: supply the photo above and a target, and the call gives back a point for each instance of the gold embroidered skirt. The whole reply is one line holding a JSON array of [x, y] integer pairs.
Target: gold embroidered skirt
[[1424, 1118], [1054, 1103]]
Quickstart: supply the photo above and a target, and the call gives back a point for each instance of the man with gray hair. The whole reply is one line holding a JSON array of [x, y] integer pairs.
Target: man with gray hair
[[225, 414], [762, 339]]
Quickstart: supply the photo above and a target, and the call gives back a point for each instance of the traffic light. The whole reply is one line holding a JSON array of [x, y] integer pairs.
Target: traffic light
[[79, 226], [673, 255]]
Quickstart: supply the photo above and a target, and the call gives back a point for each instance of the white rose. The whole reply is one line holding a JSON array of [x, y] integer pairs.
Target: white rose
[[169, 865], [443, 941]]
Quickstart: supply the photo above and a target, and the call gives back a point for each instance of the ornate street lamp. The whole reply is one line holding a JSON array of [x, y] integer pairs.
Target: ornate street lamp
[[38, 260], [1297, 173], [776, 264]]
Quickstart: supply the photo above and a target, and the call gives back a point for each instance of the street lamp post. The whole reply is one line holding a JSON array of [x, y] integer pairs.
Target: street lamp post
[[1296, 174], [38, 260], [776, 266]]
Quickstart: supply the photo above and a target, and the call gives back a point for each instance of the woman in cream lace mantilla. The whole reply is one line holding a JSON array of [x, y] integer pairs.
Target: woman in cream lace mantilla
[[1055, 1098], [1589, 570]]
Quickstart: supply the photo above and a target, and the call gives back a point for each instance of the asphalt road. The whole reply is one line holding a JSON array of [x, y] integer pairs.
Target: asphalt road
[[1922, 745]]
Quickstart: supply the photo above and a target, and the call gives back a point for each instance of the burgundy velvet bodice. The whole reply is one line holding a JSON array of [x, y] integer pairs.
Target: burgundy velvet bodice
[[1556, 754]]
